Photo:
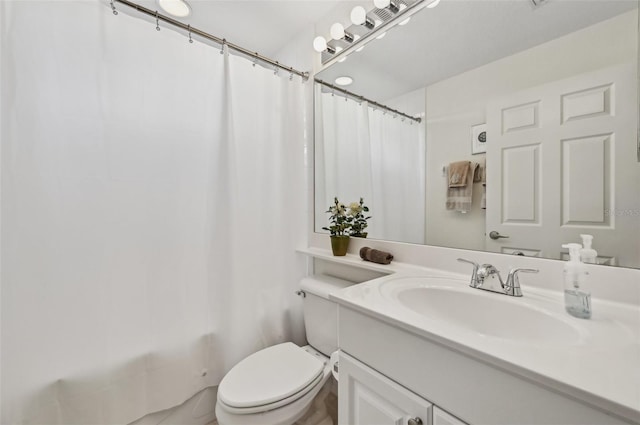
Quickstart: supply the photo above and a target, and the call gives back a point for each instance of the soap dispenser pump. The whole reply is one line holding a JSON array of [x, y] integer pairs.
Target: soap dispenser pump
[[577, 301], [588, 255]]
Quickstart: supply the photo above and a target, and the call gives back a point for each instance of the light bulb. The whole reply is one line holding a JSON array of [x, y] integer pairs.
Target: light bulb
[[358, 15], [433, 4], [319, 44], [337, 31], [381, 4]]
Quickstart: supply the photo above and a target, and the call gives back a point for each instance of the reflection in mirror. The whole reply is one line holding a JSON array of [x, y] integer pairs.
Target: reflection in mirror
[[544, 99]]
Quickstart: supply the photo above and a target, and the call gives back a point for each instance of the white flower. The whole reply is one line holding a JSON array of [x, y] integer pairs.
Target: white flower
[[355, 208]]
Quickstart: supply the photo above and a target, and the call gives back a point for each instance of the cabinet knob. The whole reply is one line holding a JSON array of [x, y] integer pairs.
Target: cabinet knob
[[415, 421]]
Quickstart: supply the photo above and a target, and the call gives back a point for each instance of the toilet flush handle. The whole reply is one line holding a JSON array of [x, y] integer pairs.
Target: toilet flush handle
[[301, 294]]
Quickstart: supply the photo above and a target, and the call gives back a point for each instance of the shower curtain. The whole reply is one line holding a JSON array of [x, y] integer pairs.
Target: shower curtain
[[363, 152], [150, 190]]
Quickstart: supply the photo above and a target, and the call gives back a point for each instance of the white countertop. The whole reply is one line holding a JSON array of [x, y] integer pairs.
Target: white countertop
[[601, 369]]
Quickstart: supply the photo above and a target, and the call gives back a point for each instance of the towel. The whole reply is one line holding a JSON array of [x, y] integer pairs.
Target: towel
[[460, 198], [483, 179], [373, 255], [458, 172]]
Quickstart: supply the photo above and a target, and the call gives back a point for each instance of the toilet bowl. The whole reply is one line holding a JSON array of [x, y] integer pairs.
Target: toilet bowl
[[276, 385]]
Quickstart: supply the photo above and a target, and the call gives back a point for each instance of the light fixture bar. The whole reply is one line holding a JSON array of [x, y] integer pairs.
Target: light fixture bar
[[222, 42], [369, 101], [380, 27]]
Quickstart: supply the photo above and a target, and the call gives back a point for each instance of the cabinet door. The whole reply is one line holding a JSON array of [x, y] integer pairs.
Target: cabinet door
[[366, 397], [440, 417]]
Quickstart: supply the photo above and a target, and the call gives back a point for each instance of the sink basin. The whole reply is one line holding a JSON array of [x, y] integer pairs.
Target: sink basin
[[487, 314]]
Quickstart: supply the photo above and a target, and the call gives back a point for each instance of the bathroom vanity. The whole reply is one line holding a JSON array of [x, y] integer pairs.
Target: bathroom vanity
[[421, 346]]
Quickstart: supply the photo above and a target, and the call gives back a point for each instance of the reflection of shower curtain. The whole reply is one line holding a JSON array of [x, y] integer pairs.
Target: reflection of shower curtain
[[364, 152], [144, 181]]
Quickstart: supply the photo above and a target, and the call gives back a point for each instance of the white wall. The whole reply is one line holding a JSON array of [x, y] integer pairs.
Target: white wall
[[456, 104]]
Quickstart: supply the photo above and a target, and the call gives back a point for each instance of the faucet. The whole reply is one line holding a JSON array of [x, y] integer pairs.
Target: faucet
[[482, 272]]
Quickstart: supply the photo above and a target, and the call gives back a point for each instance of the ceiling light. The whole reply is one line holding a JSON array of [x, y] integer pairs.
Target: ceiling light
[[338, 33], [383, 4], [359, 49], [381, 36], [344, 81], [177, 8], [405, 22], [433, 4], [359, 17], [320, 45]]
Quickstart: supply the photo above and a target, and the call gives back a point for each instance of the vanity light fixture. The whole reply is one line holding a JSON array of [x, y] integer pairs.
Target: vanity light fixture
[[384, 4], [433, 4], [320, 45], [338, 33], [177, 8], [344, 81], [359, 17]]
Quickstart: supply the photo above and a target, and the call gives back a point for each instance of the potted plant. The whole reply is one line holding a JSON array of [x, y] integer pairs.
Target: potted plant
[[359, 221], [340, 224]]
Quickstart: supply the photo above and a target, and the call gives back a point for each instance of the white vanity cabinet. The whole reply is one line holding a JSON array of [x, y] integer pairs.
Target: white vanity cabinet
[[368, 398], [389, 375], [440, 417]]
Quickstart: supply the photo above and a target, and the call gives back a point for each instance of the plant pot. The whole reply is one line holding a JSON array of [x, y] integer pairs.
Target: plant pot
[[339, 245], [360, 235]]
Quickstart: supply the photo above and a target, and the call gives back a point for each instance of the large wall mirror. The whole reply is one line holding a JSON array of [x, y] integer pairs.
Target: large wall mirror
[[542, 96]]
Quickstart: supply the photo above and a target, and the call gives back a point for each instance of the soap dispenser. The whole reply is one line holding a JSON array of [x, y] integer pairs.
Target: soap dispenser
[[577, 301], [588, 255]]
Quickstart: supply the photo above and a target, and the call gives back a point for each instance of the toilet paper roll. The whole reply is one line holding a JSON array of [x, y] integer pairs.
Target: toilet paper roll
[[333, 363]]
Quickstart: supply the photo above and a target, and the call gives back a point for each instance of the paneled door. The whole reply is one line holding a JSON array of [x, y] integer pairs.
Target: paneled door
[[560, 162], [368, 398]]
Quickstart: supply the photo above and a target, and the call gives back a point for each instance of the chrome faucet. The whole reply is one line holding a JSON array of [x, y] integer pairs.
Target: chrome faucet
[[486, 271]]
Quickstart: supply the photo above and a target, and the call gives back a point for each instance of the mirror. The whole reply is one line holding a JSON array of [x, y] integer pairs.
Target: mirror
[[543, 97]]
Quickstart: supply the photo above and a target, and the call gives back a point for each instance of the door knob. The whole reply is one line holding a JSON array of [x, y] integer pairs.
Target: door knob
[[415, 421], [496, 235]]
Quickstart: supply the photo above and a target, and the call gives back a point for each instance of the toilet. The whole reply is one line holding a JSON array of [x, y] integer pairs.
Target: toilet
[[276, 385]]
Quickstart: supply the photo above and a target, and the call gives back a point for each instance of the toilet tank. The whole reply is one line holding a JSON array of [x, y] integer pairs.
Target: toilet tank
[[321, 314]]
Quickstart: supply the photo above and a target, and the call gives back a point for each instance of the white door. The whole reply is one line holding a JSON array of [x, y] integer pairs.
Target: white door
[[365, 397], [560, 162]]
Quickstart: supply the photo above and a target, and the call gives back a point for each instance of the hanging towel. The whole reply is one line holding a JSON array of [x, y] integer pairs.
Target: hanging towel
[[483, 179], [460, 198], [458, 172]]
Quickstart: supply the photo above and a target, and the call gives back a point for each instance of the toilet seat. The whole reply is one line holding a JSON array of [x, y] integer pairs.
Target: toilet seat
[[250, 387]]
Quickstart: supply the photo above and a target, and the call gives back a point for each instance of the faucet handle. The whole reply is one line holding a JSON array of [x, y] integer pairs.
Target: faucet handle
[[512, 287], [474, 274]]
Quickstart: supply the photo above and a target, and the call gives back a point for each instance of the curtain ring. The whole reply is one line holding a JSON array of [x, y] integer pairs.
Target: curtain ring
[[157, 22], [113, 8], [255, 60], [224, 42], [189, 28], [275, 69]]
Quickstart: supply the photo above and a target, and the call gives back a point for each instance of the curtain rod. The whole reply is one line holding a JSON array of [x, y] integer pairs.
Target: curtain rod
[[369, 101], [221, 41]]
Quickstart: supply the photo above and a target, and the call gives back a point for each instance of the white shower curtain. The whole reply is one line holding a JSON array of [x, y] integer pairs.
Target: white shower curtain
[[363, 152], [149, 197]]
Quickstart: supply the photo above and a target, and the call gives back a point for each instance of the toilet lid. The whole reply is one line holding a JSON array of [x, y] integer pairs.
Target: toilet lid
[[268, 376]]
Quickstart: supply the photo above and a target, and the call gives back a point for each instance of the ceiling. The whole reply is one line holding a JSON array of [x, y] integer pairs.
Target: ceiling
[[460, 35], [264, 26]]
